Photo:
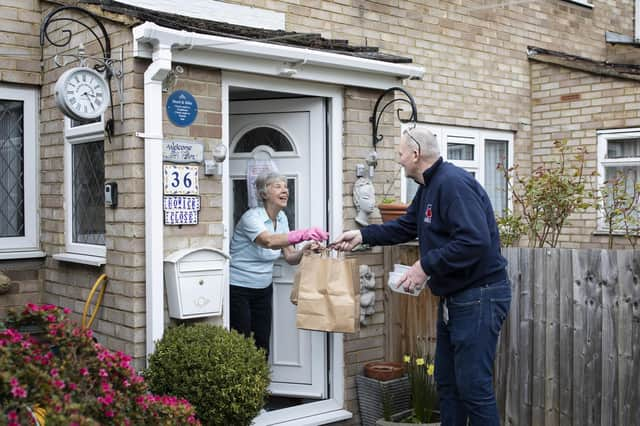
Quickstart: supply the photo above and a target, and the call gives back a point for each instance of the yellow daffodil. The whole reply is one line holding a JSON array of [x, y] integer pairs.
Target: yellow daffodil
[[406, 359], [430, 369], [420, 361]]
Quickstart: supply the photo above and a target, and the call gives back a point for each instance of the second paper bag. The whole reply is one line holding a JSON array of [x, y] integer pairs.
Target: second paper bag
[[328, 294]]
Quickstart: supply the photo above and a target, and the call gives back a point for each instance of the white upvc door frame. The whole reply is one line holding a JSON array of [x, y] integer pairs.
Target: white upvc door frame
[[331, 409]]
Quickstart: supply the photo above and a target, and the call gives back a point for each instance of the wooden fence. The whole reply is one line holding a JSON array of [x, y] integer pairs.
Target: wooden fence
[[569, 353]]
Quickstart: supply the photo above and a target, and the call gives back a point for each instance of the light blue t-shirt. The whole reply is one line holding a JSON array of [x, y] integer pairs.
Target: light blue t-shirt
[[251, 265]]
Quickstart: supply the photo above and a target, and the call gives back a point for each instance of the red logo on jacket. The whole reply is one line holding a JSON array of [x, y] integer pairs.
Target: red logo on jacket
[[428, 214]]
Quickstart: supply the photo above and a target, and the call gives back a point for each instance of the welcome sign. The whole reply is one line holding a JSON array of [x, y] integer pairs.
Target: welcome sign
[[175, 151]]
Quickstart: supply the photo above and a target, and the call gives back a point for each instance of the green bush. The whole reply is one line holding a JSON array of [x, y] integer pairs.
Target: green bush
[[218, 371]]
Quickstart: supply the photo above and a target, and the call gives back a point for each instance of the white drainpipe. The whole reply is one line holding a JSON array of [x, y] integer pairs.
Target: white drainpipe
[[154, 245]]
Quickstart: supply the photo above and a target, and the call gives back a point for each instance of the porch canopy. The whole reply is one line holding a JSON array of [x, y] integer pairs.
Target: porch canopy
[[376, 71]]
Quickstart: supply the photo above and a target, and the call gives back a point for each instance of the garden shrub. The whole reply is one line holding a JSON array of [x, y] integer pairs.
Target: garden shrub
[[57, 372], [219, 371]]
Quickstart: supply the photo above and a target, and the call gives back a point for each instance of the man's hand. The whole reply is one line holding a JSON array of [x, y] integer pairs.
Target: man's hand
[[347, 241], [414, 279]]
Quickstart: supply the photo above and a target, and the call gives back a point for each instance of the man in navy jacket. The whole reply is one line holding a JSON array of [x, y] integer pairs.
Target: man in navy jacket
[[453, 219]]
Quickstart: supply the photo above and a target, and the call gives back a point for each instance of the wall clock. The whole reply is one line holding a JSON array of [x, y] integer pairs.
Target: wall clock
[[82, 94]]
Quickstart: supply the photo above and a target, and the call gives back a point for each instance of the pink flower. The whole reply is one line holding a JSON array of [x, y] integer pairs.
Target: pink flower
[[19, 392], [59, 384], [108, 413], [66, 311], [103, 373], [51, 318], [84, 371], [12, 416], [54, 372]]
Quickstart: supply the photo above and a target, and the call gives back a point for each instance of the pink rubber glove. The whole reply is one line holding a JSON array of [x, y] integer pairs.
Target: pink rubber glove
[[313, 233]]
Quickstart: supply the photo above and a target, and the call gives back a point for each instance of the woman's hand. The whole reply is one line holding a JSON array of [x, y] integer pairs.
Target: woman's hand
[[313, 233], [312, 247]]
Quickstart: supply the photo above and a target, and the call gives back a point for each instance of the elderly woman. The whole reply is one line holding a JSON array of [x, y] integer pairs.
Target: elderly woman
[[261, 234]]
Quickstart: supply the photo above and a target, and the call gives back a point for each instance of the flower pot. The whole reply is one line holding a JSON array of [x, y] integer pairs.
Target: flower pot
[[384, 370], [391, 211], [372, 394], [396, 420]]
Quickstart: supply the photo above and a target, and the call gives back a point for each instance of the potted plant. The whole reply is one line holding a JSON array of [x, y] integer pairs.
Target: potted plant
[[391, 209], [383, 390], [424, 396]]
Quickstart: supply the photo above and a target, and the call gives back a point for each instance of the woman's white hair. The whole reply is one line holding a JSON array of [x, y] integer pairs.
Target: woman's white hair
[[263, 181]]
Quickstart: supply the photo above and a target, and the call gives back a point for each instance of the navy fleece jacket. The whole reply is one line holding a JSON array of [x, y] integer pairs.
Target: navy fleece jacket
[[455, 224]]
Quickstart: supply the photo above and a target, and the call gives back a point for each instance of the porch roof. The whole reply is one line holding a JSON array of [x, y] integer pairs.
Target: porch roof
[[287, 38]]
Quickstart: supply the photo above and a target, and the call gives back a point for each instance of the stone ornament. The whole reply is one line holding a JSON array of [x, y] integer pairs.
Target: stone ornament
[[364, 199], [367, 293]]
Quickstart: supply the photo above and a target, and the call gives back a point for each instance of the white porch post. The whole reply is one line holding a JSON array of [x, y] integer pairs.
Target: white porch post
[[154, 246]]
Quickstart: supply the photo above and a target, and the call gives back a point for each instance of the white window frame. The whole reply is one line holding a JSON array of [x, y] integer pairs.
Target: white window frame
[[92, 254], [27, 245], [637, 21], [603, 137], [478, 138], [585, 3]]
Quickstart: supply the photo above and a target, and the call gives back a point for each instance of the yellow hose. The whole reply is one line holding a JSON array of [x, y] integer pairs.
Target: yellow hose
[[102, 279]]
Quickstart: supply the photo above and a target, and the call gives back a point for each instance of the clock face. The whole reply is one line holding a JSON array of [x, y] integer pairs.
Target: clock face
[[82, 93]]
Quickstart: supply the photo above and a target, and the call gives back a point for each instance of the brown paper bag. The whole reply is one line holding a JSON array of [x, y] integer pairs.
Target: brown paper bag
[[328, 294]]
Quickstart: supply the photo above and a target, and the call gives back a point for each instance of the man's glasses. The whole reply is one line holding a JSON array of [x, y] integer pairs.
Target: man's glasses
[[408, 133]]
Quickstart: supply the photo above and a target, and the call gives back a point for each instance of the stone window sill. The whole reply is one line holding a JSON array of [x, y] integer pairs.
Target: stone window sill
[[30, 254], [80, 258]]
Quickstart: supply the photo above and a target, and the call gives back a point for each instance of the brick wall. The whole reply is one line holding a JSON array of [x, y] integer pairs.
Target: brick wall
[[205, 85], [573, 105], [25, 284], [120, 323], [19, 41]]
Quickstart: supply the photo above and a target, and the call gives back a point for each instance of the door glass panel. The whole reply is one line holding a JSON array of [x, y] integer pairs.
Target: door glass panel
[[11, 169], [241, 203], [266, 136]]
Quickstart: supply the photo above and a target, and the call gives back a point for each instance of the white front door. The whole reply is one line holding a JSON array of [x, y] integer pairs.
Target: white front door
[[292, 133]]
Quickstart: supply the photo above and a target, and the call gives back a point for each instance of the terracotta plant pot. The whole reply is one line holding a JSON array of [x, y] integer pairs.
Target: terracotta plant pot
[[391, 211], [384, 370]]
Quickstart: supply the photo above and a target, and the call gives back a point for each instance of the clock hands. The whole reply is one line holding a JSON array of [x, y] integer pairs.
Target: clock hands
[[88, 96]]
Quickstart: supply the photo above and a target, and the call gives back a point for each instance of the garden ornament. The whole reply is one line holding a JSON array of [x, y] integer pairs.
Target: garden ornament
[[367, 293], [364, 199]]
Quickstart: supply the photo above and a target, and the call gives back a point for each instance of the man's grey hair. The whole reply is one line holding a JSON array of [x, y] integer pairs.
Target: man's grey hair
[[263, 181], [429, 148]]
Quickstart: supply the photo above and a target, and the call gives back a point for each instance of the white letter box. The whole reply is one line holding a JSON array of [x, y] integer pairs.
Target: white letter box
[[195, 281]]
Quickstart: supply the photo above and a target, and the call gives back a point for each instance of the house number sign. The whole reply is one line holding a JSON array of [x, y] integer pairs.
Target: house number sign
[[180, 180]]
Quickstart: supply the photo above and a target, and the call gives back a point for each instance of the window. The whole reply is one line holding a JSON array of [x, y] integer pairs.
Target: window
[[18, 172], [585, 3], [618, 155], [84, 191], [477, 151]]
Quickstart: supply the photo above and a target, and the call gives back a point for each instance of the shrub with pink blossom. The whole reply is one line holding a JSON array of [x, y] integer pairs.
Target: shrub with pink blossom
[[59, 372]]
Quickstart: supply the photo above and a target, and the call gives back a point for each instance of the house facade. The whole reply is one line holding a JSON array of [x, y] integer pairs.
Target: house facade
[[294, 84]]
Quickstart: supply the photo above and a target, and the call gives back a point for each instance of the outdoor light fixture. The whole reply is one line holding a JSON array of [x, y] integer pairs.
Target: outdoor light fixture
[[372, 158]]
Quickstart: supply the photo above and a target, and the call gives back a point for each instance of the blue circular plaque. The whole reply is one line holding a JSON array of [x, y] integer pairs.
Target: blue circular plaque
[[182, 108]]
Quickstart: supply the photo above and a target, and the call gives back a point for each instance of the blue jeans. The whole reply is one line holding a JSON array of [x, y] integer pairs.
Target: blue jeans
[[465, 351]]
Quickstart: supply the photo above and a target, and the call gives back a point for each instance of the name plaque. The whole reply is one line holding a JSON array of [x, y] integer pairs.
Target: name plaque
[[182, 152]]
